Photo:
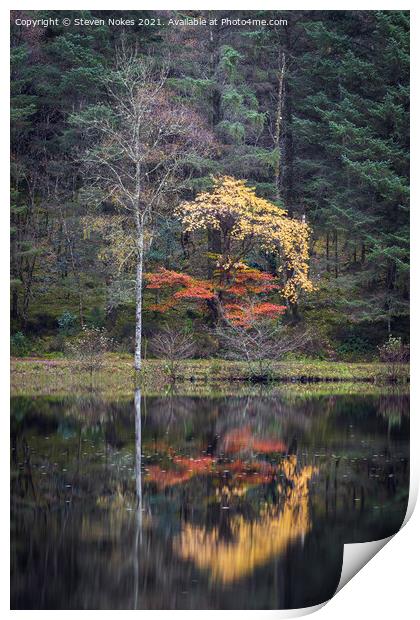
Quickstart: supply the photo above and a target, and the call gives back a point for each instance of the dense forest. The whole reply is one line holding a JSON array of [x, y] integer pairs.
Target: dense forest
[[307, 121]]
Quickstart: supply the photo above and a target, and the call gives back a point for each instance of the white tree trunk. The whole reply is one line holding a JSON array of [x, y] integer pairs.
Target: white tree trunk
[[139, 293]]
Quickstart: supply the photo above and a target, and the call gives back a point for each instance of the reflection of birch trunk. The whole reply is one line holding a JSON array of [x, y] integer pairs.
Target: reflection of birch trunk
[[137, 405], [138, 528]]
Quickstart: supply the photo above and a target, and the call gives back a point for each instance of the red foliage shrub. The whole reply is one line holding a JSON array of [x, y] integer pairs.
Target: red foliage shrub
[[239, 289]]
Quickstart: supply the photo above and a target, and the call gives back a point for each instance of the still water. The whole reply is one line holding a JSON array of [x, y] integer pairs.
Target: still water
[[199, 503]]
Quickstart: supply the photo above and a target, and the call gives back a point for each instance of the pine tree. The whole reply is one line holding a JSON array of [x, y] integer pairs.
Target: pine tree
[[350, 130]]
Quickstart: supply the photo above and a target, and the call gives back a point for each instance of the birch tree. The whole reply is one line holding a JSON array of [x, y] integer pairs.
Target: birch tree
[[139, 141]]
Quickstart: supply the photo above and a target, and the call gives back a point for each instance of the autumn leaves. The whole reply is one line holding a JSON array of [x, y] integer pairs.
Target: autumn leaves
[[244, 223]]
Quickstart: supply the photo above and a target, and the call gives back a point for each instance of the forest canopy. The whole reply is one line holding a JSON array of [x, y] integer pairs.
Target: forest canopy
[[270, 159]]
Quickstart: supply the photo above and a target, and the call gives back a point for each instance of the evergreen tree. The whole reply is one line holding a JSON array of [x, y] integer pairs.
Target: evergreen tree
[[350, 131]]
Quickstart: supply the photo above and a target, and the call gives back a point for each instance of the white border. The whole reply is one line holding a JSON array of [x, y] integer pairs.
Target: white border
[[389, 583]]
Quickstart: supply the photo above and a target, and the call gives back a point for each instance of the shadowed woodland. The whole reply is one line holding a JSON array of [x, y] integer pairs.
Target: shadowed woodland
[[196, 176]]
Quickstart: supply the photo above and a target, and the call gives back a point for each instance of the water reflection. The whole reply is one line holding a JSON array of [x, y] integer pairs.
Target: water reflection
[[237, 546], [186, 502], [139, 494]]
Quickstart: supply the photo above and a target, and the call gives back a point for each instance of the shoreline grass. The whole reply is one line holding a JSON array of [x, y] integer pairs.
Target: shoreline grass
[[40, 375]]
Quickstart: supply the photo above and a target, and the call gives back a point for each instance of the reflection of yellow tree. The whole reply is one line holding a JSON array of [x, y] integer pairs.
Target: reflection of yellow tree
[[253, 543]]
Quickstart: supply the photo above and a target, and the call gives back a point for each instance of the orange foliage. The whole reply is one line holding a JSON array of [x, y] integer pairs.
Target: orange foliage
[[240, 439], [246, 315], [164, 478], [166, 278], [188, 467], [195, 291], [239, 290], [200, 465], [247, 281], [244, 473], [187, 288], [268, 310], [252, 473]]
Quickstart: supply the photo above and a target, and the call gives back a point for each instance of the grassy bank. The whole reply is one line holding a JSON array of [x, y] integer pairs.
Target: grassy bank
[[46, 376]]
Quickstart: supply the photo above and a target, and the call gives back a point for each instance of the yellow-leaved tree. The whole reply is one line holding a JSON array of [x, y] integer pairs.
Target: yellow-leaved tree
[[244, 221]]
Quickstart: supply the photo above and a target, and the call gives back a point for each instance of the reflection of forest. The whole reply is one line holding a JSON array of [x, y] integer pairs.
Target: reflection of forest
[[214, 492], [393, 406]]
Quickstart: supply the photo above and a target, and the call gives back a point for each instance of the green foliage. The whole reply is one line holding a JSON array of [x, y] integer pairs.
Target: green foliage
[[231, 99], [394, 354], [349, 125], [96, 317], [67, 323], [19, 345], [354, 346], [392, 350], [342, 159], [89, 348], [231, 131], [229, 60], [192, 86]]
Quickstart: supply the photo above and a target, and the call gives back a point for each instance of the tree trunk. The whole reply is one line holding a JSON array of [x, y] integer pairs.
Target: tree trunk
[[327, 250], [214, 244], [213, 236], [336, 253], [294, 311], [14, 303], [277, 131], [76, 274], [287, 184], [215, 97], [74, 264], [139, 291], [27, 290]]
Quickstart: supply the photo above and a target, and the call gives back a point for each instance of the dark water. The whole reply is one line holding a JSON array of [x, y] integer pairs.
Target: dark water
[[191, 503]]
